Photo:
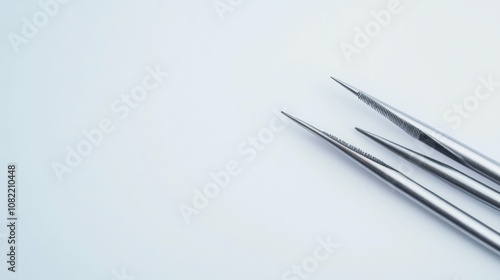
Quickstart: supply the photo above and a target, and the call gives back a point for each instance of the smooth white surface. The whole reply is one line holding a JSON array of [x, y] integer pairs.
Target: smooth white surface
[[119, 209]]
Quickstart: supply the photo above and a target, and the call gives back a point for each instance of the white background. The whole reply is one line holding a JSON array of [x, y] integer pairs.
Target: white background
[[117, 212]]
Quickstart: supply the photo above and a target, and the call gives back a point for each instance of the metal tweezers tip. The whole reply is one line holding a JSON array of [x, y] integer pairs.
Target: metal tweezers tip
[[302, 123], [362, 131], [347, 86]]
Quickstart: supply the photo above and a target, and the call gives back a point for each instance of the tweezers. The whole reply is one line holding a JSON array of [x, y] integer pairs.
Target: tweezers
[[451, 214], [445, 144], [441, 142]]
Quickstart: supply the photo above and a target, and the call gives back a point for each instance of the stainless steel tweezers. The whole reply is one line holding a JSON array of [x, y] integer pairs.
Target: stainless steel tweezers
[[452, 148]]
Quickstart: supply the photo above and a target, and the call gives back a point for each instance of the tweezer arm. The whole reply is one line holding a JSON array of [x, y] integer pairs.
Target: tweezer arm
[[422, 196], [432, 137], [449, 213], [440, 169], [445, 144], [430, 201]]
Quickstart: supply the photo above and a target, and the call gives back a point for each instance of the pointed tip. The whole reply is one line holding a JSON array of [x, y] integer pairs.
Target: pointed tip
[[366, 133], [347, 86], [379, 139], [291, 117], [362, 130], [394, 147], [337, 80], [343, 146], [330, 138], [301, 122], [307, 126]]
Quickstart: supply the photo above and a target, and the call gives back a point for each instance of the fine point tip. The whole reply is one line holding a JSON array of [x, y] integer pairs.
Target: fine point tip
[[340, 144], [347, 86], [292, 118], [289, 116], [360, 130], [304, 124], [333, 78], [364, 132], [295, 119]]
